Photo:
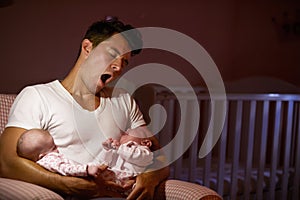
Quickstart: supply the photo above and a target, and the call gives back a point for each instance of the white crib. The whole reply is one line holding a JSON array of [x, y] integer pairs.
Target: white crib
[[258, 153]]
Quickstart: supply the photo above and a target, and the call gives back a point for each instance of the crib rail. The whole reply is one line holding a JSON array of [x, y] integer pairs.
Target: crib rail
[[258, 153]]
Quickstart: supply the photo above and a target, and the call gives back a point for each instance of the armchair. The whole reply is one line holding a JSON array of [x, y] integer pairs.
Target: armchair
[[14, 189]]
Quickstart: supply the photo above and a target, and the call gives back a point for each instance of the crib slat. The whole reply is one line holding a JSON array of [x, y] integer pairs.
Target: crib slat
[[263, 147], [249, 156], [171, 113], [236, 150], [207, 159], [296, 183], [155, 126], [275, 149], [207, 167], [178, 148], [222, 155], [193, 150], [287, 151], [168, 135]]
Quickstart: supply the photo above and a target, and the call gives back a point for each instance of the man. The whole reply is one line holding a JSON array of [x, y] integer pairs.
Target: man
[[80, 112]]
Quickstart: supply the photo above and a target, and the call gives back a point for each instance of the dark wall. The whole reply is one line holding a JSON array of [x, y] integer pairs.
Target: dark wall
[[39, 39]]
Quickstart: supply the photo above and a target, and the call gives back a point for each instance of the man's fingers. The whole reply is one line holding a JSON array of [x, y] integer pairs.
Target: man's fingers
[[112, 186], [141, 193], [114, 194], [134, 194], [103, 167], [113, 189], [128, 184]]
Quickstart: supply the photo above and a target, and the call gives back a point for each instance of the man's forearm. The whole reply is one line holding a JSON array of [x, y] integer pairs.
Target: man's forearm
[[64, 185], [28, 171]]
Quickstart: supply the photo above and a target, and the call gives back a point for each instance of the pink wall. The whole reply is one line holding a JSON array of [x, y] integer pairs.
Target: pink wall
[[39, 41]]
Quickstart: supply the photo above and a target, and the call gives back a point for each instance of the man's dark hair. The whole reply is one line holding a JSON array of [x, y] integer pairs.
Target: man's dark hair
[[104, 29]]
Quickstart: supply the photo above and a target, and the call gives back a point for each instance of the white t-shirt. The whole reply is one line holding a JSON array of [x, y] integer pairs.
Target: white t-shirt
[[77, 132]]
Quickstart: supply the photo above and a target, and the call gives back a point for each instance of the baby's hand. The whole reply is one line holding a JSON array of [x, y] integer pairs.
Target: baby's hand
[[107, 144], [115, 144], [101, 171], [93, 170]]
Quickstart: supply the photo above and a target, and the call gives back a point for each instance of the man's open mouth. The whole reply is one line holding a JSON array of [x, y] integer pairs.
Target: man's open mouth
[[105, 77]]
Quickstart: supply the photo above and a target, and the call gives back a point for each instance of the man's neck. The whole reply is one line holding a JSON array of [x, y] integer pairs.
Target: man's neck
[[74, 86]]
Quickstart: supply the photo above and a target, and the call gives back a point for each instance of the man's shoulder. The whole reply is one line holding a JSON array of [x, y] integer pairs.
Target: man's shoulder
[[41, 86], [45, 89], [39, 91], [46, 86]]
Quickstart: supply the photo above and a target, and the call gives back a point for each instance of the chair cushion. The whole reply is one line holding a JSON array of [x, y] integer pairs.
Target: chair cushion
[[19, 190]]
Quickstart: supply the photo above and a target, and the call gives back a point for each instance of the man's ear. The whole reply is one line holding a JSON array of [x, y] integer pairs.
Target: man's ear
[[86, 47]]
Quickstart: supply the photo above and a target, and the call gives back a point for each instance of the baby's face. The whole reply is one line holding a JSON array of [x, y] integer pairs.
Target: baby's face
[[126, 138], [49, 146], [142, 141]]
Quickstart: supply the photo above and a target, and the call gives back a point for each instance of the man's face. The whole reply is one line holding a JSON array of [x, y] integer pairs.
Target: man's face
[[105, 63]]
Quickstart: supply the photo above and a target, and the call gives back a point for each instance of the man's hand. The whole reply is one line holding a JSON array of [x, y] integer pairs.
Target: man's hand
[[146, 184], [91, 188], [109, 187], [144, 187]]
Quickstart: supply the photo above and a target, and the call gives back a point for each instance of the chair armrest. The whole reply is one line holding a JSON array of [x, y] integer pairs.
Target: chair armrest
[[181, 190]]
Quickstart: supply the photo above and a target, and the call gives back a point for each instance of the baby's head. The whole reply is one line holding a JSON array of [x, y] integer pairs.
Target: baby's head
[[34, 144], [135, 136]]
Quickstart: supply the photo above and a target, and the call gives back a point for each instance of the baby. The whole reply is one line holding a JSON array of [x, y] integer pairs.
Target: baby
[[38, 145], [127, 157]]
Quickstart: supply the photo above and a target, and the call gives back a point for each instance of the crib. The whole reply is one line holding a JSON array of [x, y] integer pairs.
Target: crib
[[257, 155]]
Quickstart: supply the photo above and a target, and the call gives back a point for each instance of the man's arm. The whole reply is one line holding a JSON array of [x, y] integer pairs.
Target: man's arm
[[14, 167]]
